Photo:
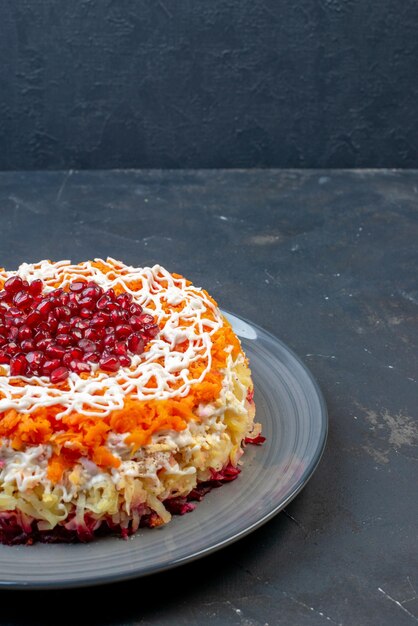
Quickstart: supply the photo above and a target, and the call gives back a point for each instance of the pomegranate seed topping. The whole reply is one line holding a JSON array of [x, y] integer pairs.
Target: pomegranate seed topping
[[24, 332], [77, 354], [62, 312], [124, 360], [33, 318], [120, 348], [109, 340], [13, 284], [44, 307], [43, 343], [151, 329], [55, 352], [13, 333], [58, 331], [136, 344], [87, 303], [59, 375], [77, 287], [63, 327], [35, 288], [135, 322], [35, 358], [79, 367], [109, 363], [82, 324], [22, 299], [27, 345], [103, 302], [77, 334], [18, 365], [86, 345], [122, 331], [49, 366], [66, 359], [92, 291], [146, 318], [63, 339]]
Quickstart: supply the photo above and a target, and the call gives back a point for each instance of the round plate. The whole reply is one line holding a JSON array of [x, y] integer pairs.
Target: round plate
[[292, 412]]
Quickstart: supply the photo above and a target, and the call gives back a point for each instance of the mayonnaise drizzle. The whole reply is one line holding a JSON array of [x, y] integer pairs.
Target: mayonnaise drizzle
[[168, 366]]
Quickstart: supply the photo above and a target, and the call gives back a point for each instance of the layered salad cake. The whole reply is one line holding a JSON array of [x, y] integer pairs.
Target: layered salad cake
[[125, 396]]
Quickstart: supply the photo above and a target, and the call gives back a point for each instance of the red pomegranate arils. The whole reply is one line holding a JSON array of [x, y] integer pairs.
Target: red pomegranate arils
[[51, 333], [59, 375]]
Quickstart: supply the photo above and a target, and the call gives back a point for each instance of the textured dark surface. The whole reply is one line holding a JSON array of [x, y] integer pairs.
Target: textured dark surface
[[224, 83], [327, 261]]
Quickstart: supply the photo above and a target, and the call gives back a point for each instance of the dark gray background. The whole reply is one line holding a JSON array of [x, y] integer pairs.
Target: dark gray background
[[208, 83]]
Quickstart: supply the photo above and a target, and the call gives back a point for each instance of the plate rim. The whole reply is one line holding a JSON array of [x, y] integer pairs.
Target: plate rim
[[212, 548]]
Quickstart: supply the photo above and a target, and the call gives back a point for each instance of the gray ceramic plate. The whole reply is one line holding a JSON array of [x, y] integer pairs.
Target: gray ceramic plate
[[293, 414]]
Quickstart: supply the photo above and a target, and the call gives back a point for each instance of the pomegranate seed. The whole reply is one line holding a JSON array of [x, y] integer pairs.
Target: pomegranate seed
[[3, 330], [73, 306], [35, 288], [124, 360], [27, 345], [151, 329], [135, 309], [44, 307], [103, 302], [109, 363], [91, 357], [24, 332], [146, 318], [82, 324], [76, 334], [62, 312], [59, 375], [85, 312], [115, 316], [44, 342], [64, 299], [3, 357], [80, 367], [52, 322], [22, 299], [13, 333], [124, 299], [49, 366], [87, 303], [18, 365], [63, 339], [33, 318], [66, 359], [92, 291], [136, 344], [76, 353], [41, 334], [63, 327], [55, 352], [99, 320], [77, 287], [122, 331], [87, 346], [91, 334], [135, 322], [13, 284], [109, 341], [35, 358], [120, 348]]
